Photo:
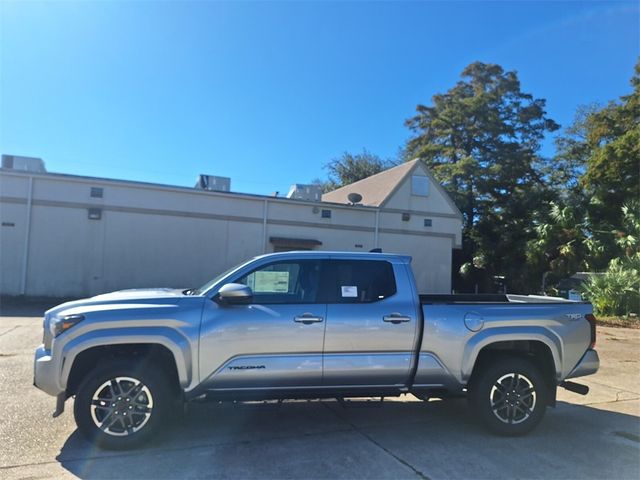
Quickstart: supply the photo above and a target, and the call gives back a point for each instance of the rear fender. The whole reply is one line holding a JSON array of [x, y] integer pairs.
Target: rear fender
[[489, 336]]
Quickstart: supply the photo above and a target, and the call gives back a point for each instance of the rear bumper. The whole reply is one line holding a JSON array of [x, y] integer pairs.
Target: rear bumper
[[588, 365], [45, 374]]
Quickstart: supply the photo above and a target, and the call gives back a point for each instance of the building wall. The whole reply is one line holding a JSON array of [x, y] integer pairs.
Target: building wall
[[435, 202], [12, 242], [436, 206], [161, 236]]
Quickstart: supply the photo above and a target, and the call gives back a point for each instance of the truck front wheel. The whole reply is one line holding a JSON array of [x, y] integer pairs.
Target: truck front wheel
[[509, 395], [122, 404]]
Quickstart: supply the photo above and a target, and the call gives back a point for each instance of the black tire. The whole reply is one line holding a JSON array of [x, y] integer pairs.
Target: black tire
[[509, 395], [134, 416]]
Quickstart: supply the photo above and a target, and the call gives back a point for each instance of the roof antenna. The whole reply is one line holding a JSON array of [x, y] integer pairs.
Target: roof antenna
[[375, 250]]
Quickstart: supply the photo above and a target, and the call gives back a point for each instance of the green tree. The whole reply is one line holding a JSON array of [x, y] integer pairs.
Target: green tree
[[597, 169], [613, 165], [563, 243], [617, 290], [564, 171], [349, 168], [481, 140]]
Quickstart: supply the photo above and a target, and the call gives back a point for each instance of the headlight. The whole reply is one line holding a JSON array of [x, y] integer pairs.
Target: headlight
[[59, 325]]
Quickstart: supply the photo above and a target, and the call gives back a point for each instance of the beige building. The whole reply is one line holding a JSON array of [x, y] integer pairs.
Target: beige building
[[67, 235]]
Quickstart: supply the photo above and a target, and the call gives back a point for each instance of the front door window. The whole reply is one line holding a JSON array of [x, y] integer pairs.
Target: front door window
[[289, 282]]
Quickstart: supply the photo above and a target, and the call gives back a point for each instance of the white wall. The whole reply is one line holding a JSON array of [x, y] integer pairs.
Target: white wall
[[12, 241], [160, 236], [431, 259]]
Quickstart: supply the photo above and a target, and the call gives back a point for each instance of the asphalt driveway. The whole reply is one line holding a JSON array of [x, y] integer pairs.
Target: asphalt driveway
[[597, 436]]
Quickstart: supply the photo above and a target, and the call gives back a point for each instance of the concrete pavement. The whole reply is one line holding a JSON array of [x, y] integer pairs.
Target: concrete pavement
[[597, 436]]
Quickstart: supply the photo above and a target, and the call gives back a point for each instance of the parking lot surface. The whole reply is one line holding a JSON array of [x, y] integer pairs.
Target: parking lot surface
[[595, 436]]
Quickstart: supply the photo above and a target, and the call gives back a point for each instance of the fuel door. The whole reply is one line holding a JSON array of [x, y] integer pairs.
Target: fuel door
[[473, 321]]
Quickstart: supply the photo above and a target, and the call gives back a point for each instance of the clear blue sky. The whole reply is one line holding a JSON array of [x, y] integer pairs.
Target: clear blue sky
[[266, 93]]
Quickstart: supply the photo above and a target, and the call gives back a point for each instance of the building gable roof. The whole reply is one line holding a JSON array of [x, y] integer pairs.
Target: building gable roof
[[377, 189], [374, 189]]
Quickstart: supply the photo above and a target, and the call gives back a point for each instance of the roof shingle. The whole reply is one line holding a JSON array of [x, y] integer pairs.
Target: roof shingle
[[374, 189]]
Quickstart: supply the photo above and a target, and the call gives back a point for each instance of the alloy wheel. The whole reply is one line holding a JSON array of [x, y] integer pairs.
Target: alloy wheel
[[513, 398], [121, 406]]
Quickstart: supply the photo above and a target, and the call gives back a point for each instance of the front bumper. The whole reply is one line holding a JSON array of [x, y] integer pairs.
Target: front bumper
[[588, 365], [45, 375]]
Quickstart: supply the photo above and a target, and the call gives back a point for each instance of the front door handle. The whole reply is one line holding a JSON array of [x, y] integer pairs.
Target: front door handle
[[307, 319], [396, 318]]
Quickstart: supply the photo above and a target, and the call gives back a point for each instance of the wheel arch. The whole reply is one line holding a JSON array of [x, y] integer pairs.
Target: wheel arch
[[82, 354], [537, 343]]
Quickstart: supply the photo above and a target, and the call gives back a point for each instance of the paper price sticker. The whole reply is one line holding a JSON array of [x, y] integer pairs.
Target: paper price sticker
[[349, 291]]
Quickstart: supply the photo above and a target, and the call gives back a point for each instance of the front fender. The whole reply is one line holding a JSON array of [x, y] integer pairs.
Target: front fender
[[505, 334], [176, 343]]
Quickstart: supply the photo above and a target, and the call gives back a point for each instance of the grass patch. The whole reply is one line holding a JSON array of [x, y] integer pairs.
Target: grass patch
[[625, 322]]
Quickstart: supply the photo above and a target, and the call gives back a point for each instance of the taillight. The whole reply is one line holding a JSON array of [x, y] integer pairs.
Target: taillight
[[592, 323]]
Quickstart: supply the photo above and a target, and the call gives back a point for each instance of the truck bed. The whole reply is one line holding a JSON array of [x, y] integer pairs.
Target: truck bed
[[473, 298]]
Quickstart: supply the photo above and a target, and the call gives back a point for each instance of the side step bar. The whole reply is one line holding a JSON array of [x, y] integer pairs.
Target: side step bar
[[575, 387]]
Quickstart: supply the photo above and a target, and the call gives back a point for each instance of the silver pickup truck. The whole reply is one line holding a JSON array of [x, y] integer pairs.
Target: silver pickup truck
[[308, 325]]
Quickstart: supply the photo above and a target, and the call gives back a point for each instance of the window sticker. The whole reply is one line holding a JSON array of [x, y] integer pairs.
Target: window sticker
[[271, 282], [349, 291]]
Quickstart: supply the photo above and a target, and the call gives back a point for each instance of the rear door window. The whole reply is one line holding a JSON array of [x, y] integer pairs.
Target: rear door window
[[359, 281]]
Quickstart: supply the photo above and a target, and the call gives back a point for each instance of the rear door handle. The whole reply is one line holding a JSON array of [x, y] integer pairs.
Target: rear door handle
[[307, 319], [396, 318]]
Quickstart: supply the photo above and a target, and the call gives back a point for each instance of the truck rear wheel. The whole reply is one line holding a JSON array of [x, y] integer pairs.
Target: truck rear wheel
[[122, 404], [509, 395]]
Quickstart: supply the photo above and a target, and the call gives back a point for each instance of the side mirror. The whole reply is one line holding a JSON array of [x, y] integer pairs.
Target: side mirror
[[235, 294]]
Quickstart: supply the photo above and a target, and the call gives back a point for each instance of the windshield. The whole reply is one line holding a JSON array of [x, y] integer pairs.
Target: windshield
[[204, 288]]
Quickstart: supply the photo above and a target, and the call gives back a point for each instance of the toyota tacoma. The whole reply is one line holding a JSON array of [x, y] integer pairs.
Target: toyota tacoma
[[309, 325]]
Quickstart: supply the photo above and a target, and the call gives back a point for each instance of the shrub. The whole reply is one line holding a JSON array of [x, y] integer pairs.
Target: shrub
[[617, 290]]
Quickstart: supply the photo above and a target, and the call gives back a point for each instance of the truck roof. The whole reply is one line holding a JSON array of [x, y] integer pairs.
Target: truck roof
[[293, 254]]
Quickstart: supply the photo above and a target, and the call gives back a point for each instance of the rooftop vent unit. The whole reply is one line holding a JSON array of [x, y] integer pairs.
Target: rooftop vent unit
[[25, 164], [213, 183], [300, 191]]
